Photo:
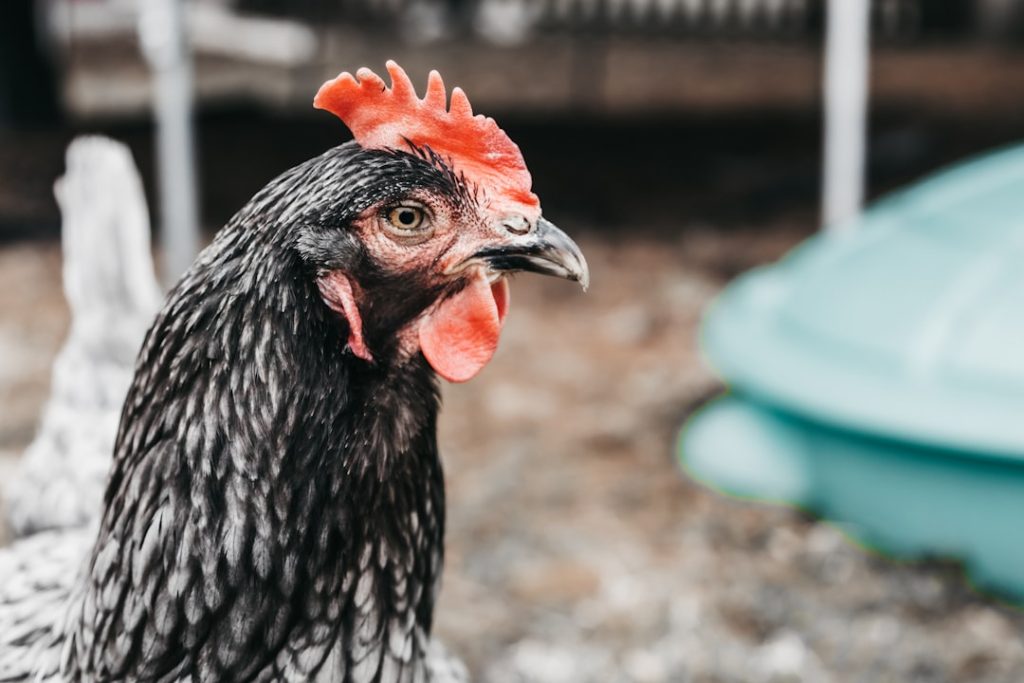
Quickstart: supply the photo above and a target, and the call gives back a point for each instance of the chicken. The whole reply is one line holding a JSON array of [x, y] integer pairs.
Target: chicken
[[275, 509], [113, 294]]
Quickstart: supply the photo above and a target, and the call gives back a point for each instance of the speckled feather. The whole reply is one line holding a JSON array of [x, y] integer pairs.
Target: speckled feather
[[275, 510]]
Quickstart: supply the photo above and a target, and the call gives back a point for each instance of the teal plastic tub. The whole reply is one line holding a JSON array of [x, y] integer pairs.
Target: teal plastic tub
[[877, 375]]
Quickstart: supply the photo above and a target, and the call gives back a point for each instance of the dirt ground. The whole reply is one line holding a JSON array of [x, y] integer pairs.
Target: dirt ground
[[577, 550]]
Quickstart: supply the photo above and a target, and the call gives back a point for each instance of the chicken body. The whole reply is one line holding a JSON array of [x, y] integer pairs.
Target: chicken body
[[275, 509], [276, 505]]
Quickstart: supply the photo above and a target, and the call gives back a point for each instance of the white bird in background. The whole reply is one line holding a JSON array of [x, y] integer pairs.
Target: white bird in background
[[113, 295]]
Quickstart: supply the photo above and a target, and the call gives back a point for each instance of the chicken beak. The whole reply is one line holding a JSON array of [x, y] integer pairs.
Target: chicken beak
[[545, 250]]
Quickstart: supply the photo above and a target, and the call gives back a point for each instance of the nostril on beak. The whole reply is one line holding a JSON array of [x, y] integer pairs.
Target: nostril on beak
[[517, 225]]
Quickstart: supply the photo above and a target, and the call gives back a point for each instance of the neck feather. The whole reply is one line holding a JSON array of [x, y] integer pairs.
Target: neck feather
[[275, 504]]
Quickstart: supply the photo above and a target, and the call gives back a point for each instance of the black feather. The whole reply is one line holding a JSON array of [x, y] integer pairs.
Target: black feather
[[276, 505]]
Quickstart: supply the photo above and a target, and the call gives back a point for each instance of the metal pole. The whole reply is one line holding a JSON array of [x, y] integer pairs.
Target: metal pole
[[847, 44], [162, 34]]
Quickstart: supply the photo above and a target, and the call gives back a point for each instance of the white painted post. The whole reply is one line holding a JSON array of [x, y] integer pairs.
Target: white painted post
[[847, 45], [162, 34]]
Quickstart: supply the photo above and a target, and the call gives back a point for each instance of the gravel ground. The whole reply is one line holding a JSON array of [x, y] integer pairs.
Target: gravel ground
[[577, 551]]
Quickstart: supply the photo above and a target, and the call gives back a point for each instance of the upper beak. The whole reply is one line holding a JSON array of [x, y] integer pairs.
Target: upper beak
[[545, 250]]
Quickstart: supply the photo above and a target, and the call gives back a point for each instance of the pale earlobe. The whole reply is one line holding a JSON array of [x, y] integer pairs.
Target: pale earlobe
[[338, 293]]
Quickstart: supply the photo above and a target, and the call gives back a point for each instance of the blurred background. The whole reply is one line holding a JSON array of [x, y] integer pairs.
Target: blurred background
[[681, 142]]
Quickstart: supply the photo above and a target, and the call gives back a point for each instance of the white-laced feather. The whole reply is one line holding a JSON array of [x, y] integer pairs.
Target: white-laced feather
[[37, 577]]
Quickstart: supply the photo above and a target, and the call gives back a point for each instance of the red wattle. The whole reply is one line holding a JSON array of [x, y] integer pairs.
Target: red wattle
[[460, 335]]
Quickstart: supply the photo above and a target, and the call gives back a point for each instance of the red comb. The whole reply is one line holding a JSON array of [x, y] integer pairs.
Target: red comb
[[380, 117]]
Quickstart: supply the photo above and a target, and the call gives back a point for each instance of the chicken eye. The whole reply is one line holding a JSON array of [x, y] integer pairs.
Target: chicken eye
[[407, 218]]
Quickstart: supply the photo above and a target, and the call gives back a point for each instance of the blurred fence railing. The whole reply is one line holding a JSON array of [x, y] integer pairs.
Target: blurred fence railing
[[693, 19], [607, 56]]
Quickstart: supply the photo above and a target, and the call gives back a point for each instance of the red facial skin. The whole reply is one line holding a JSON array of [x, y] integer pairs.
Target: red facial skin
[[460, 333]]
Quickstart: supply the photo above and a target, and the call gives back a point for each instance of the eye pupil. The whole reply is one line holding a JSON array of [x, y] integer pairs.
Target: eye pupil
[[406, 217]]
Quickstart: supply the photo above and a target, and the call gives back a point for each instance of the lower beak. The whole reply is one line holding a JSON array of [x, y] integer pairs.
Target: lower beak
[[545, 250]]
